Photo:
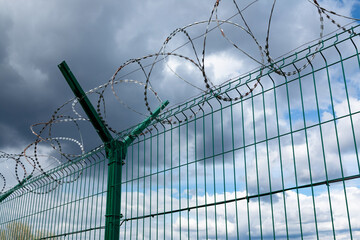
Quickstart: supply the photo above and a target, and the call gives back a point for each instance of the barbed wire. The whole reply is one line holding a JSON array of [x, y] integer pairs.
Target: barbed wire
[[30, 162]]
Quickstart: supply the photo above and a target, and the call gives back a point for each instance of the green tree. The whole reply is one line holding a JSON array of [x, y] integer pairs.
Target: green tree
[[22, 231], [17, 231]]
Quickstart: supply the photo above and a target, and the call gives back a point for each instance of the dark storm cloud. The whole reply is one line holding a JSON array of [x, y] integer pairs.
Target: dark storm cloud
[[95, 38]]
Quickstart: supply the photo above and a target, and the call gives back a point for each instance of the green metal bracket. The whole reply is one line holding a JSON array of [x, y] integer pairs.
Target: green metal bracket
[[115, 152], [136, 131], [9, 192], [96, 121]]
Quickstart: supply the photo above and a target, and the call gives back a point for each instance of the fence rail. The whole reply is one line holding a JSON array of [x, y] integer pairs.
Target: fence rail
[[282, 162]]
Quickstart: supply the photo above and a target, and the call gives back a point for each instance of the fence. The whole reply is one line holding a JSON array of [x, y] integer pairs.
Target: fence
[[282, 162]]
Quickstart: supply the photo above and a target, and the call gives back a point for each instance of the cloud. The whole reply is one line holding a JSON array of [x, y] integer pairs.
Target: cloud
[[203, 222]]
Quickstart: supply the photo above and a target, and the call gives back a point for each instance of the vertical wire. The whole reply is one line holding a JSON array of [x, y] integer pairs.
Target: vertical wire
[[256, 164], [205, 187], [97, 194], [2, 213], [88, 199], [196, 178], [23, 212], [125, 215], [50, 196], [71, 200], [336, 134], [83, 200], [103, 202], [68, 206], [245, 168], [7, 210], [213, 166], [223, 162], [322, 139], [4, 217], [12, 204], [143, 220], [55, 195], [280, 157], [157, 183], [307, 152], [341, 165], [31, 214], [268, 164], [349, 107], [164, 181], [92, 199], [234, 168], [45, 207], [19, 222], [179, 180], [171, 177], [358, 59], [31, 220], [52, 210], [74, 190], [293, 155], [81, 203], [10, 213], [17, 203], [81, 207], [3, 232], [88, 196], [138, 190], [187, 178], [46, 204], [22, 222], [150, 175], [132, 189], [92, 195], [24, 207]]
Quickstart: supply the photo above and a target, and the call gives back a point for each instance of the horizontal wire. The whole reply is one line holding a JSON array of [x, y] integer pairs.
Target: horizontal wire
[[326, 182]]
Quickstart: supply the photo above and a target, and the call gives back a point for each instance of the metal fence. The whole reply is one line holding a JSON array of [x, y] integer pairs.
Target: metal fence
[[282, 162]]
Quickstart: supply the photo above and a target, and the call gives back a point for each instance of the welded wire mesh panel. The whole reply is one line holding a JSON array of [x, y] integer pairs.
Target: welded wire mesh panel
[[283, 162], [280, 163], [68, 203]]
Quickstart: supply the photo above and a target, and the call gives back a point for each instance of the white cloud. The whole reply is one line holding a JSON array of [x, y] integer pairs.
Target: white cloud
[[197, 220], [223, 66]]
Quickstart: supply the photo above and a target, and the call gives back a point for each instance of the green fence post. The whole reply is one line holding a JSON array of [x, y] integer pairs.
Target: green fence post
[[115, 152]]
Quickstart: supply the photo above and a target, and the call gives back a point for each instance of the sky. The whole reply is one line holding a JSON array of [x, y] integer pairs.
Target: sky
[[95, 38]]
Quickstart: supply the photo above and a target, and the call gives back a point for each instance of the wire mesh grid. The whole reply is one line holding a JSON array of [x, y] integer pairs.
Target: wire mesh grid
[[282, 162]]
